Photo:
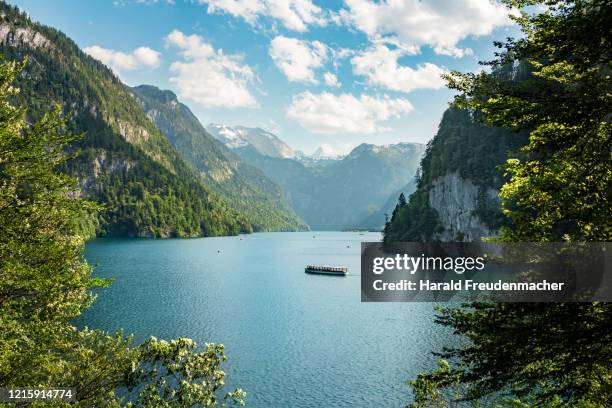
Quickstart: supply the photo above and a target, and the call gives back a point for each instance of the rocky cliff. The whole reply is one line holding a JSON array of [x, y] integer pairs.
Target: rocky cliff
[[457, 190], [456, 201]]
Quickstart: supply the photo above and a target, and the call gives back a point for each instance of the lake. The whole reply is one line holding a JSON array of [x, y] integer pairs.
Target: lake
[[292, 339]]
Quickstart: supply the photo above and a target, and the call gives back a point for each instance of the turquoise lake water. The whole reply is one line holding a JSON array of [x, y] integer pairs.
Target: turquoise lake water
[[293, 339]]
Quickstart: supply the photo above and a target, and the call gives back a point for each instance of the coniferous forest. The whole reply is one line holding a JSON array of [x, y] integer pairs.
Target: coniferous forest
[[123, 161]]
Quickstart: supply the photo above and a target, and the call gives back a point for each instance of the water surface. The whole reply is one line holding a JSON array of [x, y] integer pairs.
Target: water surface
[[292, 339]]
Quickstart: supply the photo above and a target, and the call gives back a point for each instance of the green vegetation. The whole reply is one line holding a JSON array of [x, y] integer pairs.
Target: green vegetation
[[550, 354], [45, 283], [463, 146], [124, 162], [244, 187]]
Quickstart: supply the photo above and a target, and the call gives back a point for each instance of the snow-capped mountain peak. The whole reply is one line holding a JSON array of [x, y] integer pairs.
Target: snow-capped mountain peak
[[261, 140]]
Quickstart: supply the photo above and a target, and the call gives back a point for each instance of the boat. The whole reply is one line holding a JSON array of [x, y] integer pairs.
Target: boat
[[326, 270]]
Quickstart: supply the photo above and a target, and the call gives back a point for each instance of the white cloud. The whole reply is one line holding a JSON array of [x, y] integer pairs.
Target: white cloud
[[296, 58], [331, 80], [208, 76], [440, 24], [147, 56], [295, 15], [328, 114], [380, 67], [120, 61]]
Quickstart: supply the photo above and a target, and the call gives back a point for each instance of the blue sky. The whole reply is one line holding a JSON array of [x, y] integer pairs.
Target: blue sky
[[332, 74]]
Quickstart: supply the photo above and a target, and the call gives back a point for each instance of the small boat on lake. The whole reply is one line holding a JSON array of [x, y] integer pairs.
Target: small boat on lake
[[326, 270]]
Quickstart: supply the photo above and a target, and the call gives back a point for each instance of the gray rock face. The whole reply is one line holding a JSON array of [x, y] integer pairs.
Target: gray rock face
[[22, 36], [455, 200]]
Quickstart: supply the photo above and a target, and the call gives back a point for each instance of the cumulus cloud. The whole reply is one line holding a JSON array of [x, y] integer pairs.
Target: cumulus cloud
[[331, 80], [296, 58], [120, 61], [380, 67], [208, 76], [295, 15], [332, 114], [440, 24]]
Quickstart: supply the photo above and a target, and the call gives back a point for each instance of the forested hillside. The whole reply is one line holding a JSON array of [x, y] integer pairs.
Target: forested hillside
[[459, 179], [124, 162], [244, 187]]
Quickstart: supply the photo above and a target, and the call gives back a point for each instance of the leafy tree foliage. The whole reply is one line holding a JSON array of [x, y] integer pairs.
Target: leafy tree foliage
[[45, 283], [173, 374], [559, 190], [43, 279]]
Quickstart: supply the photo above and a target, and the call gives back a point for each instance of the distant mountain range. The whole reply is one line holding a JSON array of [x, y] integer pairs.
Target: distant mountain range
[[330, 192], [349, 193], [240, 136], [244, 187], [159, 173]]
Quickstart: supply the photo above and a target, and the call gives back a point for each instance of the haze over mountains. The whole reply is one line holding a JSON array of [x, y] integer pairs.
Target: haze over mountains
[[240, 136], [344, 193], [263, 177], [244, 187], [159, 173]]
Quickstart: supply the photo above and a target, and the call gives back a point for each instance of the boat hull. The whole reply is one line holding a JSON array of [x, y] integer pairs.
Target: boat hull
[[323, 272]]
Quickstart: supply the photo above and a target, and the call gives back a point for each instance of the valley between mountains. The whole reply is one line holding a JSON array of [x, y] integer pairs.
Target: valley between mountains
[[157, 172]]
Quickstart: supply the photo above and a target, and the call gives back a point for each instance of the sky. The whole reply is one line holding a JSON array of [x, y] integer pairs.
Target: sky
[[329, 74]]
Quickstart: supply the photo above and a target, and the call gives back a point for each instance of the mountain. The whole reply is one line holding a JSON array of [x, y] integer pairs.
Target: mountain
[[317, 159], [263, 141], [244, 187], [323, 153], [376, 220], [457, 195], [343, 193], [124, 162]]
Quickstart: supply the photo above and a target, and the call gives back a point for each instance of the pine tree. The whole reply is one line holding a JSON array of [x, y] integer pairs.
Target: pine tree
[[402, 200]]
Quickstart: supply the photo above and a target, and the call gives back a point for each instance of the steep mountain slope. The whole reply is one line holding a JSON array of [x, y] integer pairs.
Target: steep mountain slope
[[243, 186], [240, 136], [125, 162], [342, 194], [457, 193]]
